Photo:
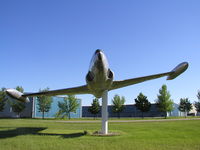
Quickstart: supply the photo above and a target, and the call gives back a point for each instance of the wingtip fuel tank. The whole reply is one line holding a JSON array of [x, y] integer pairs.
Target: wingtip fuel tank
[[178, 70], [13, 93]]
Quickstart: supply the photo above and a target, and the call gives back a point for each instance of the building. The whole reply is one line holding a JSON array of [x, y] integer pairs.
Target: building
[[193, 111], [31, 109], [175, 112], [129, 111], [132, 111], [54, 109], [26, 113]]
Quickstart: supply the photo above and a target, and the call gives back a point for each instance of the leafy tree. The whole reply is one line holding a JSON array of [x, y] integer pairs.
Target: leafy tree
[[20, 89], [70, 104], [44, 102], [185, 106], [164, 102], [18, 106], [197, 104], [198, 95], [118, 104], [142, 103], [95, 107], [2, 98]]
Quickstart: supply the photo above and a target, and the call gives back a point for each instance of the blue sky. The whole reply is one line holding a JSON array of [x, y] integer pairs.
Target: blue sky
[[50, 44]]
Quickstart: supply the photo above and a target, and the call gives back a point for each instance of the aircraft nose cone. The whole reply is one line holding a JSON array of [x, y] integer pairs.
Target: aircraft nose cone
[[98, 53]]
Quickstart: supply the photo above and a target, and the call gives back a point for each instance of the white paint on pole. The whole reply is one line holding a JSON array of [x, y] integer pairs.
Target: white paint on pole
[[104, 113]]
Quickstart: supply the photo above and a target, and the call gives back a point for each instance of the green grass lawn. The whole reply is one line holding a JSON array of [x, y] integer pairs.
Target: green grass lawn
[[34, 134]]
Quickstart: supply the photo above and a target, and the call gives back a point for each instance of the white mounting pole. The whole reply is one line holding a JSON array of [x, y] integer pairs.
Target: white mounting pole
[[104, 112]]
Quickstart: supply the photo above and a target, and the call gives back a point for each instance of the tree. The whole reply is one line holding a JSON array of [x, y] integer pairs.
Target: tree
[[164, 102], [118, 104], [2, 99], [185, 106], [95, 107], [70, 104], [198, 95], [197, 104], [142, 103], [20, 89], [44, 102], [18, 106]]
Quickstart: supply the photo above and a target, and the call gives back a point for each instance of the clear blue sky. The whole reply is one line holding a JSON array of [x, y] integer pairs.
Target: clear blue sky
[[50, 43]]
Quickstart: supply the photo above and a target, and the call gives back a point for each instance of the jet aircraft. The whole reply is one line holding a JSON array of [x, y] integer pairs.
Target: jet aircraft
[[99, 78]]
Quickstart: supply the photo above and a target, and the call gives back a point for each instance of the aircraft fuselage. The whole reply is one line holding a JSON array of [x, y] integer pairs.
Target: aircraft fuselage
[[99, 77]]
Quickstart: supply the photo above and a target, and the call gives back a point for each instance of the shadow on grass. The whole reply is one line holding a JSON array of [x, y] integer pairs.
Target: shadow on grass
[[34, 131]]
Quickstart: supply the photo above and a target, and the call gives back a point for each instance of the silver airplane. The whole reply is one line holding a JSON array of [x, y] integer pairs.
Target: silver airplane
[[98, 79]]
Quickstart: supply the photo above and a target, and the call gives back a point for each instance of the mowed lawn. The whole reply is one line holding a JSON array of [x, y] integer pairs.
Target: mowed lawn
[[32, 134]]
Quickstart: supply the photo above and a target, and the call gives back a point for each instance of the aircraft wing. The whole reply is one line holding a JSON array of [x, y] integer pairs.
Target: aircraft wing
[[13, 93], [68, 91], [171, 75]]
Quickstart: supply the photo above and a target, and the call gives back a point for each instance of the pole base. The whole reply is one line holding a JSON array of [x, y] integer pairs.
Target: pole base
[[98, 133]]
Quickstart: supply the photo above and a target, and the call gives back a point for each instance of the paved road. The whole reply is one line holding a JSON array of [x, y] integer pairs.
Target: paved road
[[153, 120]]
